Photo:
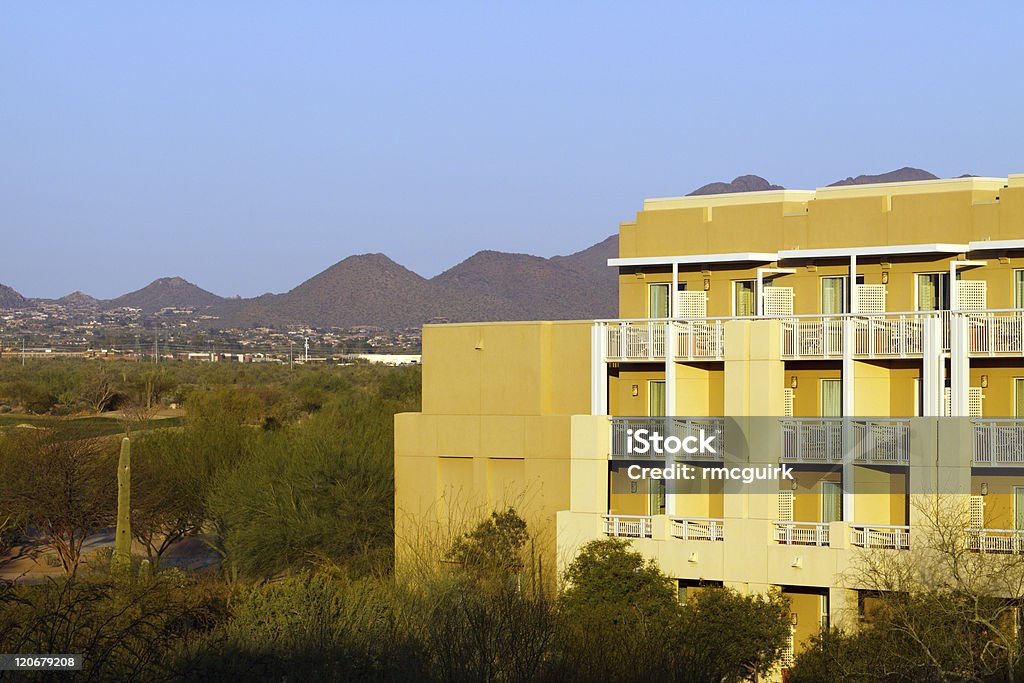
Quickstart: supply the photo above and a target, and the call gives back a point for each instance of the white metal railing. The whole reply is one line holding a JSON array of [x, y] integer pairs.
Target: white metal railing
[[812, 337], [679, 427], [636, 340], [699, 339], [822, 440], [627, 526], [898, 335], [644, 340], [813, 439], [882, 442], [697, 528], [994, 333], [998, 441], [996, 540], [802, 533], [880, 536]]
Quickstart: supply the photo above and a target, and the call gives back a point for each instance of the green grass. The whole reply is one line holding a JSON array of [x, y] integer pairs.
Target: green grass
[[83, 427]]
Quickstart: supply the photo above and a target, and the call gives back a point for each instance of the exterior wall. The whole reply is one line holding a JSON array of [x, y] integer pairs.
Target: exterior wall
[[495, 430]]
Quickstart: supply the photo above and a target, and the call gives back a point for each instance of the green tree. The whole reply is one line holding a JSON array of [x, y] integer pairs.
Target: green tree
[[60, 490]]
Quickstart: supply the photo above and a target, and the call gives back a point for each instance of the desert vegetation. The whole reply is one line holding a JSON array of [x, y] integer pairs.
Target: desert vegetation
[[283, 481]]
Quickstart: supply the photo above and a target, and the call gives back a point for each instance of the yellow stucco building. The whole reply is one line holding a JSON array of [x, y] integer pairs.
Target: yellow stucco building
[[870, 337]]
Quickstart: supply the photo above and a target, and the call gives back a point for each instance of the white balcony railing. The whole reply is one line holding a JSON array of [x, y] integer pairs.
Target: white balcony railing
[[881, 442], [697, 528], [995, 333], [627, 526], [996, 540], [822, 440], [644, 340], [636, 340], [998, 442], [699, 339], [812, 439], [812, 337], [801, 533], [669, 426], [880, 536]]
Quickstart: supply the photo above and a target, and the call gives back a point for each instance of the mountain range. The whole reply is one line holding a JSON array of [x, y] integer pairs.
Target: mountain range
[[372, 289]]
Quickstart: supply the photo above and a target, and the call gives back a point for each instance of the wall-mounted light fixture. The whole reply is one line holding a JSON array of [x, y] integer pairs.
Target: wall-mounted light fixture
[[793, 382], [885, 277], [707, 284], [984, 488], [636, 389], [984, 381], [794, 485]]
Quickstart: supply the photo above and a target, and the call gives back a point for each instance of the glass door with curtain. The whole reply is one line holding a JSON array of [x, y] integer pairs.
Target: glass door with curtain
[[831, 501], [831, 398], [743, 298], [1018, 508], [1018, 396], [1018, 289], [656, 499], [658, 304], [933, 292], [833, 295], [656, 398]]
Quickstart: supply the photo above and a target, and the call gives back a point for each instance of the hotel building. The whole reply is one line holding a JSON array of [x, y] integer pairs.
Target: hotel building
[[872, 337]]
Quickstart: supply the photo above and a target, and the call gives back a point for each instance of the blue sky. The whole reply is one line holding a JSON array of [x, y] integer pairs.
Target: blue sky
[[246, 146]]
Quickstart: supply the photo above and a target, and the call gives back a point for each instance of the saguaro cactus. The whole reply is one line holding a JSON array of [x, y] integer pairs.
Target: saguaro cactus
[[121, 560]]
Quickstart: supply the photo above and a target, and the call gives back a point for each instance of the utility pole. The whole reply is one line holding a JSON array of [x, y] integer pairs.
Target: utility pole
[[291, 345], [306, 340], [156, 348], [22, 352]]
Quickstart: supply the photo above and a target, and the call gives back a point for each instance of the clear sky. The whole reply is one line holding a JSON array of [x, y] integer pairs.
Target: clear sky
[[246, 146]]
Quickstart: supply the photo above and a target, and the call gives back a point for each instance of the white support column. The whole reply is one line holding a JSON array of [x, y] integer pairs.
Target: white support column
[[598, 370], [673, 297], [959, 366], [759, 294], [933, 367], [670, 369], [848, 412], [854, 304]]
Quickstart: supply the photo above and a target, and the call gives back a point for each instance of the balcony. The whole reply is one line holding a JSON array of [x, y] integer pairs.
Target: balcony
[[627, 526], [669, 426], [697, 528], [880, 536], [802, 533], [995, 333], [998, 442], [644, 340], [879, 335], [1004, 541], [820, 440]]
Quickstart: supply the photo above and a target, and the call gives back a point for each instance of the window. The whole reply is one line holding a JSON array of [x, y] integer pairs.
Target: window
[[833, 295], [831, 501], [831, 398], [743, 297], [933, 291], [1018, 289], [1018, 507], [656, 398], [657, 497], [658, 304]]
